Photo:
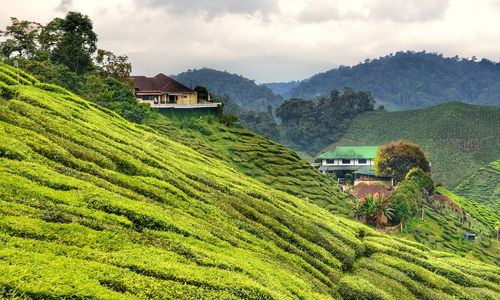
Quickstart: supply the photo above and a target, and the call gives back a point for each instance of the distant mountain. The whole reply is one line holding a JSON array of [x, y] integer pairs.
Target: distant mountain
[[412, 80], [458, 138], [283, 89], [243, 91]]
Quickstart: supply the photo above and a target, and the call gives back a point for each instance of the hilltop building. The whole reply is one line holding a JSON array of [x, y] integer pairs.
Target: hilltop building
[[355, 160], [163, 92]]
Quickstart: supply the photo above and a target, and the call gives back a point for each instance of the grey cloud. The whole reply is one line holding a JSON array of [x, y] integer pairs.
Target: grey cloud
[[409, 10], [65, 5], [394, 10], [214, 7], [319, 13]]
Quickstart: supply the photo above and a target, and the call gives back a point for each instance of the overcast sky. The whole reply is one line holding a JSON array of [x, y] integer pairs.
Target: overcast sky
[[270, 40]]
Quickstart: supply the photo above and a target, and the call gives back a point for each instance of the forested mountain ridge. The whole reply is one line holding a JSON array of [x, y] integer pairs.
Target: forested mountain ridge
[[93, 206], [243, 91], [412, 80]]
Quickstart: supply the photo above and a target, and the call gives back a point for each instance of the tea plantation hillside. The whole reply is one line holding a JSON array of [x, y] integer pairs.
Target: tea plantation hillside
[[458, 138], [483, 186], [258, 157], [442, 228], [92, 206]]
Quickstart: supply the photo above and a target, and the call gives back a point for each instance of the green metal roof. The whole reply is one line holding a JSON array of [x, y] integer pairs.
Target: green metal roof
[[366, 152], [366, 171], [369, 171]]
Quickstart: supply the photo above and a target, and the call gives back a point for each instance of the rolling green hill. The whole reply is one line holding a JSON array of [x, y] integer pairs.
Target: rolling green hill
[[410, 79], [92, 206], [483, 186], [458, 138], [257, 157]]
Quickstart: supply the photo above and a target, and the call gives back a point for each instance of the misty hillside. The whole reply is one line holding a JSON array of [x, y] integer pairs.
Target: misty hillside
[[243, 91], [412, 80], [283, 89]]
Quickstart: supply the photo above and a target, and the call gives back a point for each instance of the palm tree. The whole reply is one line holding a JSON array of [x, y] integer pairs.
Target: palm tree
[[373, 208]]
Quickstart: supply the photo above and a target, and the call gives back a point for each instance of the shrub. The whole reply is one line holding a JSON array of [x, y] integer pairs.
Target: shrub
[[356, 288], [7, 92], [228, 120], [422, 178], [397, 158], [405, 200]]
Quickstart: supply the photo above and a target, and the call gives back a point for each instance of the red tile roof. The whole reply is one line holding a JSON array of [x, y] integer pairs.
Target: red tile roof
[[361, 192], [159, 83]]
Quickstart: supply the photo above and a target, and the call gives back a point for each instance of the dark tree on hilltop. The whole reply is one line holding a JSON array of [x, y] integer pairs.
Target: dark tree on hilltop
[[116, 66], [21, 37], [312, 125], [397, 158], [202, 92], [76, 43]]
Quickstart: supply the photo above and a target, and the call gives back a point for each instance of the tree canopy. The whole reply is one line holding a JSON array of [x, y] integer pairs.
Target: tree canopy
[[395, 159], [312, 125], [423, 179], [64, 52], [76, 42]]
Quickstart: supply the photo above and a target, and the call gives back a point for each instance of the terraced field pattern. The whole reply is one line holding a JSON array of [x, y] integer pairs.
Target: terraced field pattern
[[95, 207]]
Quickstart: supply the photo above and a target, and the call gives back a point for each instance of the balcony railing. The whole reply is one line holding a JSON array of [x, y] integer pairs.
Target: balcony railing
[[181, 106]]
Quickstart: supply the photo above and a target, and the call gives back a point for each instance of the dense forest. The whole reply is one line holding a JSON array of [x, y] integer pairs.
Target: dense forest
[[309, 126], [412, 80], [306, 126], [245, 92]]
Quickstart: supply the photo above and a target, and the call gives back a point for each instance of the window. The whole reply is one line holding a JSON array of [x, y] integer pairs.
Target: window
[[330, 161], [361, 161], [346, 161]]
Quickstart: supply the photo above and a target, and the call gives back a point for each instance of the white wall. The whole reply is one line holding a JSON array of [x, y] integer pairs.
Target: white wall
[[354, 162]]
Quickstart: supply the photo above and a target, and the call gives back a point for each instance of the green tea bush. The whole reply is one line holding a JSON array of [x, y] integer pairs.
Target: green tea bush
[[355, 288]]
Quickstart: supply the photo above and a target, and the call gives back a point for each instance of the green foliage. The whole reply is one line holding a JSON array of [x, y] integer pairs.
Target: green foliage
[[372, 207], [76, 42], [412, 80], [93, 206], [457, 138], [60, 53], [260, 122], [228, 120], [56, 74], [405, 200], [21, 38], [422, 178], [396, 159], [116, 96], [202, 92], [352, 288], [311, 125], [115, 66]]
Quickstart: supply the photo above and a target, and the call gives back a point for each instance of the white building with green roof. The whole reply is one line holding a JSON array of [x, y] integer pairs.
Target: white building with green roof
[[356, 160]]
